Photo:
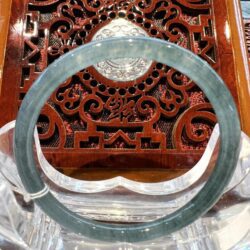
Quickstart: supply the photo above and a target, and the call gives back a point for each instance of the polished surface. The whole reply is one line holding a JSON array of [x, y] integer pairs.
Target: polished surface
[[5, 6], [131, 47], [24, 225], [241, 61], [78, 153]]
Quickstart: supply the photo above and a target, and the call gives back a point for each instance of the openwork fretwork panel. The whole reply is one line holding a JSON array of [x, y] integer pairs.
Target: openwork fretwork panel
[[104, 107]]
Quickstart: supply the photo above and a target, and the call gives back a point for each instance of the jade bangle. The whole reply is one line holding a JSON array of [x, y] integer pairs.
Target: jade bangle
[[161, 51]]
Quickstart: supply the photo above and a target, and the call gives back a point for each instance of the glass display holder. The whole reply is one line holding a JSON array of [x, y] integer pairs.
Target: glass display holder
[[119, 200], [25, 226]]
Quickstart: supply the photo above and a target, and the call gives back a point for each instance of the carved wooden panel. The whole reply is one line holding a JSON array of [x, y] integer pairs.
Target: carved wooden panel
[[98, 117], [247, 32]]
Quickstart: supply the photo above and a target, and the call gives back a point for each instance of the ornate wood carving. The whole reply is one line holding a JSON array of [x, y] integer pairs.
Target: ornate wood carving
[[160, 115], [97, 113]]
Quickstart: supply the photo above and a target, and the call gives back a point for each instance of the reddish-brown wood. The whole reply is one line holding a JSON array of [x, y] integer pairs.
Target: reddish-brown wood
[[5, 6], [151, 129]]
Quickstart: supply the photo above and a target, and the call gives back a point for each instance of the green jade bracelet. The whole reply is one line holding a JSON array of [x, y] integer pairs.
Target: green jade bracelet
[[129, 47]]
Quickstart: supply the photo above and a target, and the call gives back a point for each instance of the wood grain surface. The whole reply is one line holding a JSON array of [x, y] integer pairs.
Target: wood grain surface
[[5, 6]]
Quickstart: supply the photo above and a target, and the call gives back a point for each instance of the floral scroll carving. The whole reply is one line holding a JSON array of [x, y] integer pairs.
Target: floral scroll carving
[[161, 109]]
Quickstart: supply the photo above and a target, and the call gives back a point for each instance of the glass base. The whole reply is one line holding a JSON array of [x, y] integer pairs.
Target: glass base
[[24, 226]]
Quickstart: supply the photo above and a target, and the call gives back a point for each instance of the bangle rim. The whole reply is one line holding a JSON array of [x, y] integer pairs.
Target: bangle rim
[[149, 48]]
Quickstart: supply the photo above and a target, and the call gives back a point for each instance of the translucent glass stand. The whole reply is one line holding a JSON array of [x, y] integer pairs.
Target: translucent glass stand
[[24, 226]]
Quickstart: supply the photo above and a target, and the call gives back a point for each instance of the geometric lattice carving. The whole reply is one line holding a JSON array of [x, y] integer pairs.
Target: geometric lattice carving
[[162, 109]]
